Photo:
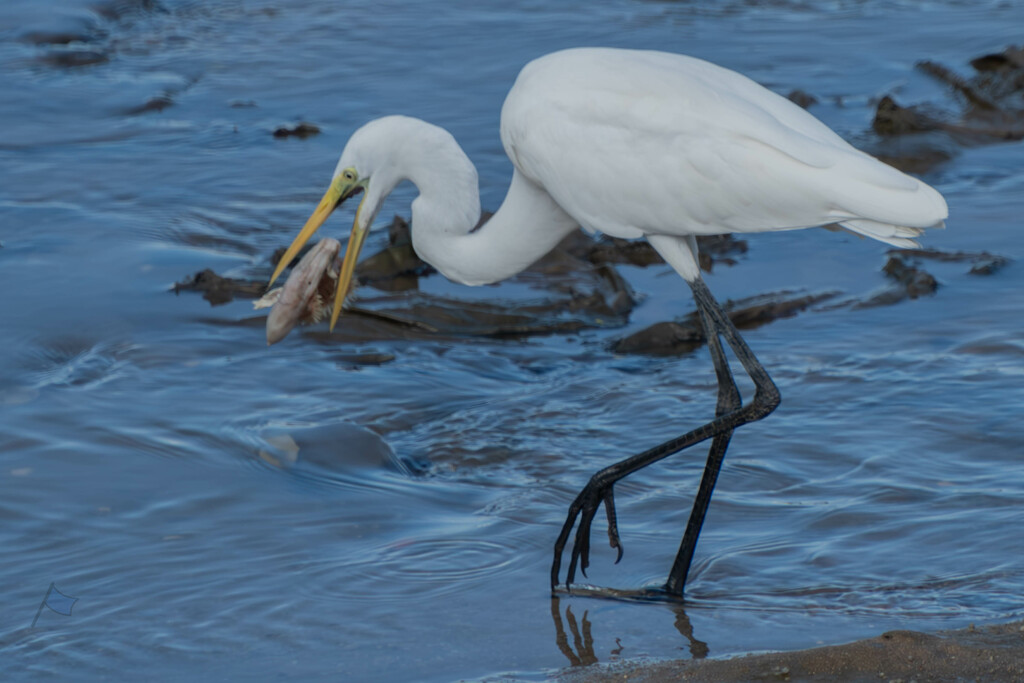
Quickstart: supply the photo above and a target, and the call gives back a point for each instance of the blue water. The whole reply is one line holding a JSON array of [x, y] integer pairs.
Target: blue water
[[146, 439]]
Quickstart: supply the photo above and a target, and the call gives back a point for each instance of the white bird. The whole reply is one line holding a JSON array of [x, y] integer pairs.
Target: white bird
[[633, 144]]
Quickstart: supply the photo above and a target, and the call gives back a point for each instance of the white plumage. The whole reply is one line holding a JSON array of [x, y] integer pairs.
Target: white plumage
[[637, 143], [632, 144]]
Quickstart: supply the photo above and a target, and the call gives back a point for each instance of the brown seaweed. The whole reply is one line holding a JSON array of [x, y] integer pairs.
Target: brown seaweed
[[219, 290], [683, 336], [300, 130]]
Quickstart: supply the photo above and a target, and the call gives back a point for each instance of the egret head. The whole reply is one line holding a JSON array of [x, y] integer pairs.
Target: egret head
[[346, 183], [377, 157], [361, 169]]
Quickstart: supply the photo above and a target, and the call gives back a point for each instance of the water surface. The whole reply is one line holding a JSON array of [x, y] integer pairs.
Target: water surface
[[144, 457]]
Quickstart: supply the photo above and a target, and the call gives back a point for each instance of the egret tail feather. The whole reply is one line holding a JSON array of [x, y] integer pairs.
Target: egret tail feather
[[896, 235]]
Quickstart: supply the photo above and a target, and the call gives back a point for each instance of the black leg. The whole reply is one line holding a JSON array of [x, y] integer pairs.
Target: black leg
[[730, 415], [728, 401]]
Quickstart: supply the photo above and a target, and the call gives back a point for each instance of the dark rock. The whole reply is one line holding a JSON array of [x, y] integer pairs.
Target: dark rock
[[719, 249], [662, 339], [158, 103], [397, 267], [892, 119], [982, 263], [1011, 59], [988, 266], [70, 59], [802, 99], [60, 37], [219, 290], [910, 282], [683, 336], [300, 130], [916, 281], [615, 250], [959, 84], [991, 104], [368, 358]]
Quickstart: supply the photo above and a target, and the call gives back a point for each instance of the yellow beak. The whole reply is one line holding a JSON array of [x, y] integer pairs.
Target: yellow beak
[[340, 190], [348, 266]]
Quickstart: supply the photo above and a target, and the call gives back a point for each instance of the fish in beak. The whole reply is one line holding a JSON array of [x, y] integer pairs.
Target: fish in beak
[[346, 184]]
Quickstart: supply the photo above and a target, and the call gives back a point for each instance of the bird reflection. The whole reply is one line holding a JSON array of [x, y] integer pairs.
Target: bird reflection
[[582, 642], [581, 651], [698, 648]]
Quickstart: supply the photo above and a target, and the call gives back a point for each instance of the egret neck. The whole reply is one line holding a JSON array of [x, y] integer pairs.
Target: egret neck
[[448, 208]]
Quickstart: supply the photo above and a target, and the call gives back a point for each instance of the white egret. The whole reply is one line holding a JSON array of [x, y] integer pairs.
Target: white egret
[[632, 144]]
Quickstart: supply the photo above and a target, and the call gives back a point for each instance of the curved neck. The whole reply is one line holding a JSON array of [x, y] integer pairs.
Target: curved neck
[[526, 227]]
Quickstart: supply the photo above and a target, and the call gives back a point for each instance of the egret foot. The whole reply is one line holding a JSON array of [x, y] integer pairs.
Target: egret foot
[[730, 414], [597, 491]]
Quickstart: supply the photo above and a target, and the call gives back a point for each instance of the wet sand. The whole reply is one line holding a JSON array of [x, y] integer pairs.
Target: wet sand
[[990, 653]]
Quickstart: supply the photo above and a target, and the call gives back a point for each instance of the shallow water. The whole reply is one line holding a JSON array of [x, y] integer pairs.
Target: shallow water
[[146, 457]]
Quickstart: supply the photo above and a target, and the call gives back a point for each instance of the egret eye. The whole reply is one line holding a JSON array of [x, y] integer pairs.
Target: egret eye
[[348, 174]]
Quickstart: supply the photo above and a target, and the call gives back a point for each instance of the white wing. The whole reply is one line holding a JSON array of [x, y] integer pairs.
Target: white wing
[[636, 143]]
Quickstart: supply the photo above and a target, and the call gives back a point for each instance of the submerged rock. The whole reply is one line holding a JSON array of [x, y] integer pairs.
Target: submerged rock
[[982, 263], [991, 109], [1008, 62], [396, 267], [915, 280], [153, 104], [300, 130], [327, 451], [74, 57], [217, 289], [683, 336], [985, 107], [802, 99], [892, 119], [578, 283]]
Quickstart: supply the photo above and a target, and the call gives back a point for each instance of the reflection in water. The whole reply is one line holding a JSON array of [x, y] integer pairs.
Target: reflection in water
[[698, 648], [581, 652]]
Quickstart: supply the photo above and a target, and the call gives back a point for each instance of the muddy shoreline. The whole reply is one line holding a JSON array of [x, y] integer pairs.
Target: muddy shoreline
[[989, 653]]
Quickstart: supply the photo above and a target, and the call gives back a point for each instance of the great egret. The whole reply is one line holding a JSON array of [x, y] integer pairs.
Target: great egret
[[632, 144]]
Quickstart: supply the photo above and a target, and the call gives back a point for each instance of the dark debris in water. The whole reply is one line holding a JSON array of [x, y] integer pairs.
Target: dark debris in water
[[579, 287], [574, 294], [219, 290], [579, 281], [982, 263], [81, 34], [713, 249], [988, 107], [397, 267], [892, 119], [153, 104], [117, 10], [369, 358], [74, 57], [301, 130], [802, 99], [916, 281], [909, 282], [683, 336]]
